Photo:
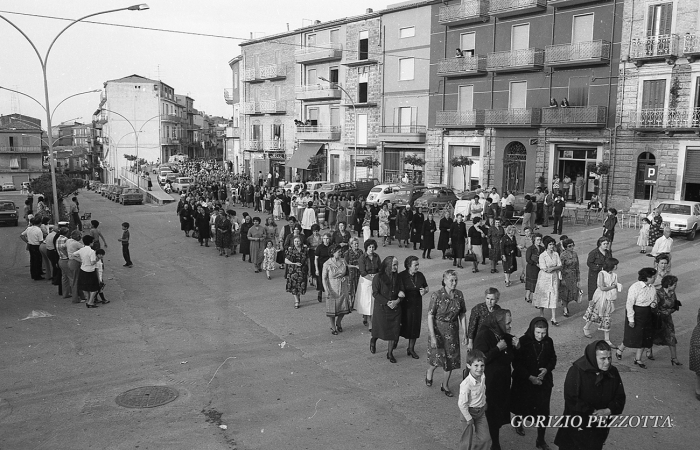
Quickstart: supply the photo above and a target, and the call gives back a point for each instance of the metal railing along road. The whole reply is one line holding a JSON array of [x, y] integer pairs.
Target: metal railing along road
[[652, 46], [527, 57], [580, 51]]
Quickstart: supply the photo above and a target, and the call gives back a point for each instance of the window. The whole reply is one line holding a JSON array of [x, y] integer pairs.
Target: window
[[167, 131], [363, 46], [335, 36], [310, 40], [467, 43], [404, 118], [257, 132], [312, 116], [311, 77], [518, 95], [235, 79], [520, 37], [406, 69], [582, 29], [333, 74], [362, 81], [466, 98], [407, 32], [277, 132], [25, 141], [361, 129], [23, 163], [659, 19]]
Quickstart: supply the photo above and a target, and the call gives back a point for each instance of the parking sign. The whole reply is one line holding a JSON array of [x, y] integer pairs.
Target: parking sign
[[650, 174]]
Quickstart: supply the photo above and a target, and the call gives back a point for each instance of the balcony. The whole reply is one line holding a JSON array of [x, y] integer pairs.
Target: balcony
[[251, 108], [272, 72], [273, 106], [20, 149], [460, 119], [691, 47], [318, 133], [171, 141], [319, 53], [578, 54], [170, 118], [655, 48], [233, 132], [566, 3], [575, 117], [462, 67], [513, 118], [252, 145], [402, 133], [275, 145], [103, 97], [318, 92], [469, 11], [515, 60], [507, 8], [228, 96], [668, 120]]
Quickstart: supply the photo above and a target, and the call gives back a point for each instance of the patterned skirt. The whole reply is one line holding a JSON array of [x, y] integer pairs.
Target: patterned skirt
[[446, 354]]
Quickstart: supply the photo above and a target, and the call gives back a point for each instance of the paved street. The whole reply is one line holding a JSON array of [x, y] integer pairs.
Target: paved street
[[240, 355]]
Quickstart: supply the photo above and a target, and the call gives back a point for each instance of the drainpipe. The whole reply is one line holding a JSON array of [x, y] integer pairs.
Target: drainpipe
[[613, 140]]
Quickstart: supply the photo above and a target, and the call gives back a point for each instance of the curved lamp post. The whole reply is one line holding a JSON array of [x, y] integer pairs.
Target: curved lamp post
[[44, 61]]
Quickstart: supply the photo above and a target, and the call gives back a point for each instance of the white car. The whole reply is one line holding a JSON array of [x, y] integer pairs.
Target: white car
[[682, 217], [182, 184], [313, 186], [294, 187], [163, 176], [8, 187], [383, 192]]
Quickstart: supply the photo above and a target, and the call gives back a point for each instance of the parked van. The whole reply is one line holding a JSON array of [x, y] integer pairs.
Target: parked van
[[383, 192]]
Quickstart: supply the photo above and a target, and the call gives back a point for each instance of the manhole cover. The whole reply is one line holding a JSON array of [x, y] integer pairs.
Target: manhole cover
[[147, 397]]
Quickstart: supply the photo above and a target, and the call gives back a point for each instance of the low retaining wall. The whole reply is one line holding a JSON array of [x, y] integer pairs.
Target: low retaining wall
[[156, 195]]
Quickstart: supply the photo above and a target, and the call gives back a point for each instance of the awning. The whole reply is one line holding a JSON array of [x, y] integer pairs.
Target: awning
[[300, 158]]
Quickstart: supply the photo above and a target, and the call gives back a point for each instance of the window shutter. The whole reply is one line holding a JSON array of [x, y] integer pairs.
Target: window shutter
[[650, 20], [414, 115], [397, 117], [665, 19]]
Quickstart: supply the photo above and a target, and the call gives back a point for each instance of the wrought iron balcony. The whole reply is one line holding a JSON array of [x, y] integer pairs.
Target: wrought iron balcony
[[318, 92], [251, 108], [250, 74], [578, 54], [274, 145], [469, 11], [272, 72], [666, 119], [252, 145], [473, 118], [20, 149], [655, 48], [515, 60], [691, 47], [319, 53], [462, 67], [575, 117], [171, 141], [565, 3], [318, 133], [506, 8], [402, 133], [514, 118], [170, 118], [228, 96], [273, 106]]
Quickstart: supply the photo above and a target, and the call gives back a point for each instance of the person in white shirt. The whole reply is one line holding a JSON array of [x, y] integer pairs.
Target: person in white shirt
[[33, 236], [88, 281], [664, 244], [494, 195], [308, 219], [472, 404]]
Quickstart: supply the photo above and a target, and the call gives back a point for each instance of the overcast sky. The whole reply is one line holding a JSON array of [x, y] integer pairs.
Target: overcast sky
[[87, 55]]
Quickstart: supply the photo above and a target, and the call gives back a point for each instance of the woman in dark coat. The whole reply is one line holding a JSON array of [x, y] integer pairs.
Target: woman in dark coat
[[593, 387], [534, 362], [245, 243], [458, 236], [202, 226], [417, 220], [596, 259], [186, 219], [393, 215], [403, 227], [374, 221], [509, 253], [444, 239], [429, 228], [386, 315], [532, 258], [495, 341], [359, 207], [414, 286]]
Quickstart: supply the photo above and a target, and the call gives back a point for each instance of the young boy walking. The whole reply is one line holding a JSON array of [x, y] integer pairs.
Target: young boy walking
[[472, 404], [125, 244]]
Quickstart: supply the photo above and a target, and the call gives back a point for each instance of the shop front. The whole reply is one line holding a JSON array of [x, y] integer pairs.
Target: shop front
[[574, 160], [403, 164]]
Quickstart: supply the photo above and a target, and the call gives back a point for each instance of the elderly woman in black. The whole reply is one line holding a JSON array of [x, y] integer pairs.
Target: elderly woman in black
[[414, 286], [531, 390], [458, 236], [386, 316], [595, 261], [495, 341], [665, 330], [639, 330]]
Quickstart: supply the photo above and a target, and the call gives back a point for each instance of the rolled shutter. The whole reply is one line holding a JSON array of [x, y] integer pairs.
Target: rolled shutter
[[692, 166]]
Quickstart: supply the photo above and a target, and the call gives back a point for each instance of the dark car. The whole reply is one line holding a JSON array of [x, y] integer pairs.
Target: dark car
[[9, 213], [362, 186], [131, 196], [336, 189], [437, 197], [115, 193], [408, 194]]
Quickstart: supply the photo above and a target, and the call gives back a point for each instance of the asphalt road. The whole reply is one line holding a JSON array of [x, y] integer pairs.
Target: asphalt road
[[240, 355]]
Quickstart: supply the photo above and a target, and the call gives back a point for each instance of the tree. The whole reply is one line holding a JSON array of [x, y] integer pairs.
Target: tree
[[462, 161], [369, 162], [318, 162], [65, 186], [414, 160]]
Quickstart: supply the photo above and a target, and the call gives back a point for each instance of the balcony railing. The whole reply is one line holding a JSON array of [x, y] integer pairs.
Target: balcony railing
[[272, 71], [564, 3], [575, 116], [578, 54], [250, 74], [319, 133], [513, 117], [691, 47], [460, 119], [469, 11], [228, 96], [252, 145], [506, 8], [274, 145], [319, 53], [318, 92], [654, 48], [402, 133], [171, 141], [170, 118], [273, 106], [20, 149], [251, 108], [667, 118], [515, 60], [460, 67]]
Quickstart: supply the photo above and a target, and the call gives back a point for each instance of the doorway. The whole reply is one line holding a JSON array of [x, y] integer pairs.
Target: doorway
[[642, 191], [514, 162], [335, 168]]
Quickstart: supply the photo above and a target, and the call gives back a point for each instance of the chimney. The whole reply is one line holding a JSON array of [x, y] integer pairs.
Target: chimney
[[317, 22], [251, 35], [369, 11], [287, 26]]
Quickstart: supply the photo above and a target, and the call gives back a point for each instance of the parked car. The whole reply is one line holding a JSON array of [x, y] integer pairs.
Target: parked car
[[408, 194], [116, 192], [363, 186], [437, 197], [682, 216], [107, 190], [294, 187], [163, 175], [8, 187], [337, 189], [313, 186], [382, 193], [171, 177], [181, 184], [131, 196], [9, 213]]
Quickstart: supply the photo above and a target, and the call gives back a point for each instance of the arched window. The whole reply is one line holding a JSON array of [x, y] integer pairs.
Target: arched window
[[514, 160]]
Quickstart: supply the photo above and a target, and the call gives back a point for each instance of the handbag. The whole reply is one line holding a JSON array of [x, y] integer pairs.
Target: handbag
[[195, 234], [470, 256]]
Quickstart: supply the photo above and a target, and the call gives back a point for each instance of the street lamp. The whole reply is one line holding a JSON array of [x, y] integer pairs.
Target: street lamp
[[44, 62], [354, 112]]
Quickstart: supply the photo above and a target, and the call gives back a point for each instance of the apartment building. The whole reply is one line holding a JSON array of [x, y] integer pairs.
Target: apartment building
[[525, 88], [189, 138], [21, 142], [659, 104], [233, 154]]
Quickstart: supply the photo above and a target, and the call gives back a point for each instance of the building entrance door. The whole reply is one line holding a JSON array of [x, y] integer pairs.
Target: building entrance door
[[514, 161], [643, 191]]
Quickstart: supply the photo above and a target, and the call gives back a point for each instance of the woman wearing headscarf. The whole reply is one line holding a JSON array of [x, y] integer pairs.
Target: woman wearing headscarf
[[414, 286], [665, 330], [639, 329], [417, 227], [596, 259], [368, 265], [335, 284], [458, 236], [495, 341], [321, 255], [386, 315], [531, 390], [444, 226], [403, 227], [245, 243], [186, 219], [257, 235], [593, 390], [428, 233], [225, 229], [570, 276], [446, 314], [479, 312]]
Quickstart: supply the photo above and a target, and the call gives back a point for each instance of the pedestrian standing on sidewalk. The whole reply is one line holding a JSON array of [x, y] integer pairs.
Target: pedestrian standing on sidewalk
[[100, 268], [609, 226], [34, 237], [125, 244], [75, 214], [558, 210]]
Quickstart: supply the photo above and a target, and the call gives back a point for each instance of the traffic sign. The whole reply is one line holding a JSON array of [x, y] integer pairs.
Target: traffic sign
[[650, 175]]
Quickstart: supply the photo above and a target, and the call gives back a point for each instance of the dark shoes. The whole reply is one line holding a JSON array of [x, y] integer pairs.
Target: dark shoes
[[372, 347], [446, 391], [412, 353], [391, 358]]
